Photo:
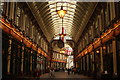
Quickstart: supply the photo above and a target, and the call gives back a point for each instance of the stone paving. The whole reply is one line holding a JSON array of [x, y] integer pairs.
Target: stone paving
[[64, 75]]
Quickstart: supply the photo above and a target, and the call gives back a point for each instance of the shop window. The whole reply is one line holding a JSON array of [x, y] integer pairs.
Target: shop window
[[91, 61], [34, 60], [85, 62], [118, 43], [19, 58], [16, 51], [108, 58], [109, 47], [5, 46], [27, 60], [97, 60], [118, 55]]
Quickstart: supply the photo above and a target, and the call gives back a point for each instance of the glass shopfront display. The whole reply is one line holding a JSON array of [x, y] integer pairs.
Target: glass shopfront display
[[34, 60], [90, 60], [108, 58], [16, 51], [97, 62], [85, 57], [27, 60], [88, 64], [40, 64]]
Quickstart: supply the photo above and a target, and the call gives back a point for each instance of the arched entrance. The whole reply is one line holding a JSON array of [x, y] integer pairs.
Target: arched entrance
[[69, 52]]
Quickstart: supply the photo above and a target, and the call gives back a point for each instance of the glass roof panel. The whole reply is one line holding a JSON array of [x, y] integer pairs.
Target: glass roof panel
[[68, 18]]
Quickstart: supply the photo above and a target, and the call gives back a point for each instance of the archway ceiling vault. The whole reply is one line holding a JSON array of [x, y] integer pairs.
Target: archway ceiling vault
[[74, 20]]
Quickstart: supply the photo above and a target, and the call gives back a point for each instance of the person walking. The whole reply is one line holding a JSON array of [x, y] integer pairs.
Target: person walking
[[74, 70], [52, 73], [69, 71], [78, 70]]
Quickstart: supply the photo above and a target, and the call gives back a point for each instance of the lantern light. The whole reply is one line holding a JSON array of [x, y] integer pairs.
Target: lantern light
[[97, 51], [61, 12], [104, 47]]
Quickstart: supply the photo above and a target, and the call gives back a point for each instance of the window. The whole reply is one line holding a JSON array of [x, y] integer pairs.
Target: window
[[107, 15], [99, 25], [1, 7], [86, 37], [46, 48], [8, 9], [39, 42], [30, 29], [92, 30], [17, 16], [84, 43], [45, 45], [96, 29], [37, 37], [102, 20], [14, 8], [79, 48], [27, 26], [90, 34]]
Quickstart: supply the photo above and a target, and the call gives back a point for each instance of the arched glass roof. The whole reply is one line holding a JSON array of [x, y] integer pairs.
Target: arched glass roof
[[74, 20]]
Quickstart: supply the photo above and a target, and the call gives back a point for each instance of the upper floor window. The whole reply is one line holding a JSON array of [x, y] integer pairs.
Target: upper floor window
[[1, 7], [107, 15], [18, 16], [90, 34]]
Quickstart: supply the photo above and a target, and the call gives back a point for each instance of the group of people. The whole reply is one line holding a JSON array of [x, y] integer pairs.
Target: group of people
[[51, 71], [73, 70]]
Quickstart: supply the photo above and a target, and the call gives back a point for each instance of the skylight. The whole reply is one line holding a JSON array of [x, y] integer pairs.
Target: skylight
[[68, 18]]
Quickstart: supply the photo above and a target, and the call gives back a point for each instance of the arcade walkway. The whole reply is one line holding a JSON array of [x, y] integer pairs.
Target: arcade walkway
[[59, 34]]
